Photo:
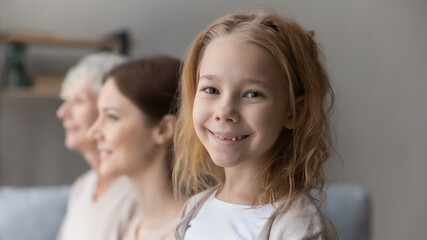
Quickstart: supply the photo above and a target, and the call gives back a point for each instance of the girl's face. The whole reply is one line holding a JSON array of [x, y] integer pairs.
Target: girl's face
[[239, 107], [77, 113], [124, 139]]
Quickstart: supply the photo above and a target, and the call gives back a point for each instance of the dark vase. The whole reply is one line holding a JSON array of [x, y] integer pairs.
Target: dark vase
[[15, 73]]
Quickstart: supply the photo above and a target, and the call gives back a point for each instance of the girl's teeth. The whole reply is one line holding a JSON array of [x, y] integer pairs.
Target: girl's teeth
[[229, 139]]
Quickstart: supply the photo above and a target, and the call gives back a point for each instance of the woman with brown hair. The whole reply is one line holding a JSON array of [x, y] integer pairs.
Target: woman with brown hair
[[134, 137]]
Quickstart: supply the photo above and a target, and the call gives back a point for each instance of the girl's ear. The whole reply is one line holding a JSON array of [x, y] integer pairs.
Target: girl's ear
[[163, 131], [290, 120]]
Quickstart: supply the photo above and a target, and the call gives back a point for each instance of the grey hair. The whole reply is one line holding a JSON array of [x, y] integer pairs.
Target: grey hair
[[92, 69]]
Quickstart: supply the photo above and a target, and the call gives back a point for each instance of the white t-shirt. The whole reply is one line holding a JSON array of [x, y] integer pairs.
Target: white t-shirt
[[221, 220]]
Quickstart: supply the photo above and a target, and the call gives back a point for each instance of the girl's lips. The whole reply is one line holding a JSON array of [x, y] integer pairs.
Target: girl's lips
[[228, 137]]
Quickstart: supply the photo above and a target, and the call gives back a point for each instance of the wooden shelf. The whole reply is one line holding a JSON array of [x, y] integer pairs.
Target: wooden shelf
[[44, 38], [43, 87]]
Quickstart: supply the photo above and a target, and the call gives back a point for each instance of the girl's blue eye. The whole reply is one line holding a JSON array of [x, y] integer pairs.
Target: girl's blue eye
[[253, 95], [211, 90]]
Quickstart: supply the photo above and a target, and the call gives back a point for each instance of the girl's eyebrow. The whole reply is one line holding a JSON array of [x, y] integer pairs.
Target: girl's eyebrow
[[208, 77], [256, 81]]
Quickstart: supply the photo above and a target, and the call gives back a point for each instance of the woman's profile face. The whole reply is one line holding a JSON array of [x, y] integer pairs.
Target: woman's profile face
[[124, 137], [78, 112]]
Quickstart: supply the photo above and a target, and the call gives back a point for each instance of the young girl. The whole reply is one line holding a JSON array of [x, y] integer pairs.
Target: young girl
[[252, 131], [134, 134]]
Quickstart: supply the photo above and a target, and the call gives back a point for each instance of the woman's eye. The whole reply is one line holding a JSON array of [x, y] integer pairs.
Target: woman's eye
[[112, 117], [211, 90], [78, 100], [253, 95], [81, 101]]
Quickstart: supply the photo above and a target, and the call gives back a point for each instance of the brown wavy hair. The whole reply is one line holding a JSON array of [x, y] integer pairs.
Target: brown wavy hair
[[295, 165], [150, 83]]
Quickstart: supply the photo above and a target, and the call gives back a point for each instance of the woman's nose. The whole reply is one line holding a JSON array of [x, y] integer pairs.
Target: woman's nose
[[93, 132], [62, 110]]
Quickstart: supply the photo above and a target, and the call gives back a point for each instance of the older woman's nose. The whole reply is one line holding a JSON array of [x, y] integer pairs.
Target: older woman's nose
[[62, 110]]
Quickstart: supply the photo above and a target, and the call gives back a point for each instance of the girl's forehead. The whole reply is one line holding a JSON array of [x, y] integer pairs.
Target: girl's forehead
[[233, 54]]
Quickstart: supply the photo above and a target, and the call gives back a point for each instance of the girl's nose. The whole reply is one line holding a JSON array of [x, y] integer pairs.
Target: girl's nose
[[227, 110]]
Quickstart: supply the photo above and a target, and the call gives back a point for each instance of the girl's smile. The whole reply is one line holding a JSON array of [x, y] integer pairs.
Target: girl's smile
[[227, 138]]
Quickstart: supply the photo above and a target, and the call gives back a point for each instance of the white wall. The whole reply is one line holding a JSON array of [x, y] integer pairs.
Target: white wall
[[376, 54]]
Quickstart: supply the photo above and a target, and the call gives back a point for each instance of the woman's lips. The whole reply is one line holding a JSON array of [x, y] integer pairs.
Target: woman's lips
[[104, 154]]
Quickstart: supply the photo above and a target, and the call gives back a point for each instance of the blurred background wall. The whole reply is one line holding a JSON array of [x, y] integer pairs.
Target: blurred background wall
[[375, 52]]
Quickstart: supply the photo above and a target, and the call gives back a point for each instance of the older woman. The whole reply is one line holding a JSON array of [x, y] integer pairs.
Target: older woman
[[99, 207], [134, 133]]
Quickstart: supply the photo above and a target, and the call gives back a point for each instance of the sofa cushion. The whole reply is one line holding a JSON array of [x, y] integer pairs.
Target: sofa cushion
[[348, 207], [32, 213]]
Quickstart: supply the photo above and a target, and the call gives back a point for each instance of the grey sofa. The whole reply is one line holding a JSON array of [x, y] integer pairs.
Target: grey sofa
[[36, 213], [32, 213], [348, 207]]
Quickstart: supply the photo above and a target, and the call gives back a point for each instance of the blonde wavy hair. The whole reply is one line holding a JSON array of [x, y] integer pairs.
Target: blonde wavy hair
[[295, 165]]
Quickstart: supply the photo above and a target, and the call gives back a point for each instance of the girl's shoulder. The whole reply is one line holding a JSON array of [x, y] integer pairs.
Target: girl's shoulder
[[302, 219], [189, 211]]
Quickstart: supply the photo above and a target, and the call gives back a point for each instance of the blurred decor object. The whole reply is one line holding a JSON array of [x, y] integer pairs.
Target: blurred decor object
[[14, 72], [17, 41], [123, 36]]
